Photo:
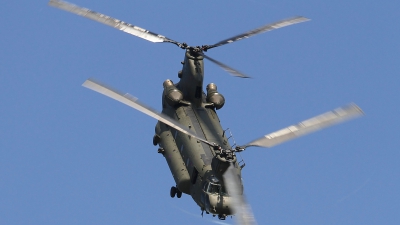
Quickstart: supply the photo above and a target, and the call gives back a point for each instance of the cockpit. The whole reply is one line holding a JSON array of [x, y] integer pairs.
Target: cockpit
[[215, 198], [214, 187]]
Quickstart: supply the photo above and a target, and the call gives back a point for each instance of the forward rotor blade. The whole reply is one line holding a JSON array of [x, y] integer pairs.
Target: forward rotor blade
[[265, 28], [242, 210], [227, 68], [133, 102], [313, 124], [118, 24]]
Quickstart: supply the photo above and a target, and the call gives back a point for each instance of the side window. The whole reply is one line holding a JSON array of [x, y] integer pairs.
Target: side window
[[205, 186], [210, 187]]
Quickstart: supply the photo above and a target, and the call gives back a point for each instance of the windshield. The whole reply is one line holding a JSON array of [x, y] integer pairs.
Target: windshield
[[216, 189], [223, 191]]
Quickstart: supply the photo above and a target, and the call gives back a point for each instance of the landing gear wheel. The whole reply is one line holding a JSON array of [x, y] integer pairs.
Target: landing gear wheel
[[178, 193], [173, 192]]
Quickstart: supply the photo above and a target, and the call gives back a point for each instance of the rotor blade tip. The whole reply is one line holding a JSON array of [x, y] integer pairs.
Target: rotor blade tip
[[91, 83], [88, 81], [357, 108]]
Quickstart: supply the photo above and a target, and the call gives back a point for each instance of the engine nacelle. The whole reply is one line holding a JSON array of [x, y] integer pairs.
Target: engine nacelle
[[172, 95], [214, 96]]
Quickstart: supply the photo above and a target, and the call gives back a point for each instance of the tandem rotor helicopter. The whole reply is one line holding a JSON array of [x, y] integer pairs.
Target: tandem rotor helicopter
[[202, 161]]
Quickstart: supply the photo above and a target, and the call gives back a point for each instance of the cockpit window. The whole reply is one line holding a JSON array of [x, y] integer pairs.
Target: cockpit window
[[223, 191], [215, 189], [205, 186]]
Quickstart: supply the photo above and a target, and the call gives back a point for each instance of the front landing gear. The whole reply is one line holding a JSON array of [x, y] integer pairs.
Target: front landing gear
[[222, 216], [175, 191]]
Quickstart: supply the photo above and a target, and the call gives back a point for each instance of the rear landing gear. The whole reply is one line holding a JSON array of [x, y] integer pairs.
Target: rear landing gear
[[178, 193], [175, 191]]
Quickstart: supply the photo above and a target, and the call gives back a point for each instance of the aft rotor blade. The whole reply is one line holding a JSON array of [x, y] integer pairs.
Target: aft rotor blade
[[107, 20], [265, 28], [227, 68], [313, 124], [133, 102], [242, 210]]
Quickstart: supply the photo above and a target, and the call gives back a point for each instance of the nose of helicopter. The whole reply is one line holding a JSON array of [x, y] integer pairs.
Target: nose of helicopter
[[220, 204]]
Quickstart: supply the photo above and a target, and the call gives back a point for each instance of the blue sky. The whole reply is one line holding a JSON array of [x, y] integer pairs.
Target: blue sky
[[71, 156]]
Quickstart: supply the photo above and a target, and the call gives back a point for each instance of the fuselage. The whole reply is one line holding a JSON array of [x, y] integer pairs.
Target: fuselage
[[194, 164]]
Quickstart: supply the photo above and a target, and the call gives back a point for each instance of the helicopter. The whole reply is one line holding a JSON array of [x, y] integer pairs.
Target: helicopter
[[199, 155]]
